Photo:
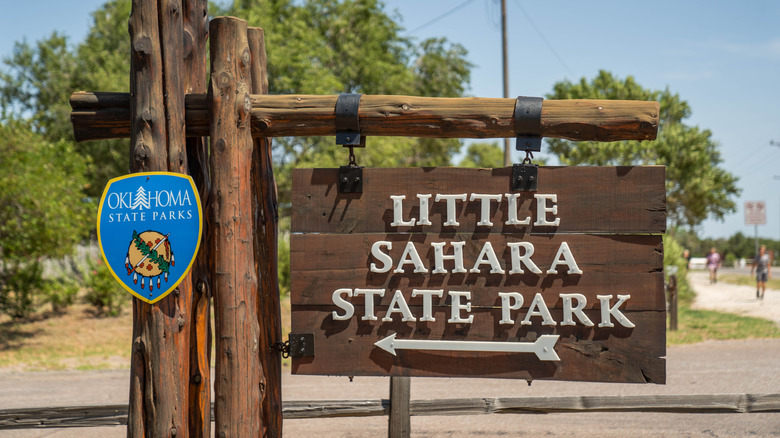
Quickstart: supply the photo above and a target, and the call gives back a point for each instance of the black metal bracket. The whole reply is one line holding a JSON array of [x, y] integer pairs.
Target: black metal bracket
[[298, 345], [528, 128], [348, 121], [348, 135], [528, 124], [350, 179], [525, 177]]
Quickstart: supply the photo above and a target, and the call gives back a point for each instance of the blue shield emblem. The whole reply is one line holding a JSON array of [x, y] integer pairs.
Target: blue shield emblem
[[149, 228]]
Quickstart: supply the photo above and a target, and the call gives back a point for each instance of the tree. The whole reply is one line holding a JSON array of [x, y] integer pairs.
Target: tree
[[483, 154], [38, 79], [42, 210], [696, 186], [331, 47]]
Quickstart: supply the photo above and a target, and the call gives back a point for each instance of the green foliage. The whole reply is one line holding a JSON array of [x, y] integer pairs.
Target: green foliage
[[103, 291], [673, 257], [330, 47], [483, 155], [60, 293], [42, 210], [19, 284], [696, 186], [38, 79], [284, 266]]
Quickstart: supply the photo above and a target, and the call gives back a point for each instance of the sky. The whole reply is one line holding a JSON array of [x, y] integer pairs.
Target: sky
[[722, 57]]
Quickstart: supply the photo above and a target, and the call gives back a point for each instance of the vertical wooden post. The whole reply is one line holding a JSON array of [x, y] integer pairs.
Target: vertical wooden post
[[399, 423], [160, 356], [238, 371], [195, 80], [672, 285], [266, 236]]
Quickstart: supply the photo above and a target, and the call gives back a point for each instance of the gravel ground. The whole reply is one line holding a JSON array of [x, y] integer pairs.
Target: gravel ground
[[723, 367]]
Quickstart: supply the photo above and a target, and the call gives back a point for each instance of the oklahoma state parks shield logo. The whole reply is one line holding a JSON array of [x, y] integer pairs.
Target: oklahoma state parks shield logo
[[149, 228]]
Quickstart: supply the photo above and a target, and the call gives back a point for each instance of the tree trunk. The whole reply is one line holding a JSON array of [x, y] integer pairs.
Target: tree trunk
[[161, 332], [195, 23], [269, 308], [238, 370]]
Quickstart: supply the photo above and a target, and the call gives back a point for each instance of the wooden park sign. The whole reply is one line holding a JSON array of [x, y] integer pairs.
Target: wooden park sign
[[176, 103], [446, 272]]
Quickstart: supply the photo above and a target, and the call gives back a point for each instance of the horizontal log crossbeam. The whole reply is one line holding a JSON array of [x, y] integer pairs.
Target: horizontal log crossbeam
[[100, 115], [116, 415]]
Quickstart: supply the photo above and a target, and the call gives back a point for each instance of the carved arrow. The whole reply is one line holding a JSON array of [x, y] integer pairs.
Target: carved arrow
[[542, 347]]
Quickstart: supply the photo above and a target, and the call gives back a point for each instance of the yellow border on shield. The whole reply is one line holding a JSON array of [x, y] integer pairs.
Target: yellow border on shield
[[197, 245]]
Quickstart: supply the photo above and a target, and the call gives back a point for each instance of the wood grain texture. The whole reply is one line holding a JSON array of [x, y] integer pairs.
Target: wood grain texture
[[195, 79], [99, 116], [623, 200], [266, 253], [610, 264], [116, 415], [398, 422], [237, 364], [161, 332], [333, 248], [617, 354]]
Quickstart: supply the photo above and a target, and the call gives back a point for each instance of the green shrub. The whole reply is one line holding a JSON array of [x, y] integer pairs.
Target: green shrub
[[284, 266], [19, 284], [103, 291], [673, 257], [60, 293]]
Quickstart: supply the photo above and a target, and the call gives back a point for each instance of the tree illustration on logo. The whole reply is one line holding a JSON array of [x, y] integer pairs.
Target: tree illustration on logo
[[149, 255], [141, 199]]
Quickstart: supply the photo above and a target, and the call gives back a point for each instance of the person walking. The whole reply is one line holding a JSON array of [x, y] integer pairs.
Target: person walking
[[713, 263], [763, 267]]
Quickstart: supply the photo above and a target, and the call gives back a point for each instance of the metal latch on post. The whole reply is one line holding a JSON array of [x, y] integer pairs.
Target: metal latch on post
[[528, 128], [348, 135], [297, 345]]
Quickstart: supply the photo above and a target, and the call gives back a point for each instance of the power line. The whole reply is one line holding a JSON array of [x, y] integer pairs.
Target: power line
[[541, 35], [429, 22]]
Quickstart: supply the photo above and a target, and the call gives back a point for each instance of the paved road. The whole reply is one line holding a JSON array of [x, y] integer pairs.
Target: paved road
[[725, 367]]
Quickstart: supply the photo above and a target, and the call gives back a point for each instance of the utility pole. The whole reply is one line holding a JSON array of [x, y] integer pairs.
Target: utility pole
[[507, 142], [775, 143], [777, 177]]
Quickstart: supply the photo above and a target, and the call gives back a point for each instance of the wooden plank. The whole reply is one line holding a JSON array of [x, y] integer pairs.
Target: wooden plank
[[618, 200], [398, 423], [616, 354], [116, 415], [610, 264], [103, 115], [237, 362]]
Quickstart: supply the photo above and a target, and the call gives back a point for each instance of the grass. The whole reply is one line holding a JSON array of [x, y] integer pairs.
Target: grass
[[748, 280], [701, 325], [697, 325], [73, 339], [78, 339]]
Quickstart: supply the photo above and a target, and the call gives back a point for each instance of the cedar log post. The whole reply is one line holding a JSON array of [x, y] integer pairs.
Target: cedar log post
[[238, 371], [195, 80], [268, 305], [104, 115], [161, 332]]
